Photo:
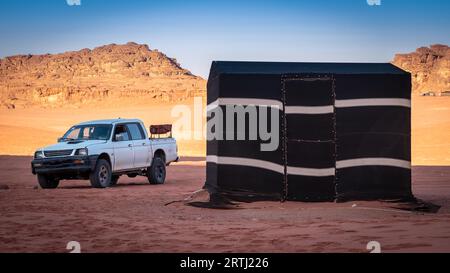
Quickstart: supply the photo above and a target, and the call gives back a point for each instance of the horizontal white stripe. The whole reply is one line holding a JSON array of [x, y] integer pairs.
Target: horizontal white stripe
[[309, 109], [249, 101], [213, 105], [373, 102], [256, 163], [244, 101], [310, 171], [373, 162], [249, 162], [212, 158]]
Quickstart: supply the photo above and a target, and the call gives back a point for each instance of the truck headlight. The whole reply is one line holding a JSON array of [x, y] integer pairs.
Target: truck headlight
[[82, 151], [39, 154]]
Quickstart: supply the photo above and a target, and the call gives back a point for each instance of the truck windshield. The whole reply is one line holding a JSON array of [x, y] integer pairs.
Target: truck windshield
[[88, 132]]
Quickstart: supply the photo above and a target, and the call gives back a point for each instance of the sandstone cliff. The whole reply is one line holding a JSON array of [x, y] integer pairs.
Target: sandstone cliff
[[107, 73], [133, 72], [429, 67]]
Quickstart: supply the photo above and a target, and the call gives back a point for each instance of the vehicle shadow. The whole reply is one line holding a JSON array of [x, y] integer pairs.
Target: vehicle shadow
[[123, 185]]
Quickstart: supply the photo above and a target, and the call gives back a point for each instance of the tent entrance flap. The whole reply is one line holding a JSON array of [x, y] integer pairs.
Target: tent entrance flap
[[309, 138]]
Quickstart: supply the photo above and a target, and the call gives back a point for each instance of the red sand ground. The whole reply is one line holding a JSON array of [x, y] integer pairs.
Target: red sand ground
[[132, 217]]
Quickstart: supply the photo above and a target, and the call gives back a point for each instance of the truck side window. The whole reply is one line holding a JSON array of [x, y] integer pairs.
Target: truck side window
[[121, 130], [86, 132], [135, 131]]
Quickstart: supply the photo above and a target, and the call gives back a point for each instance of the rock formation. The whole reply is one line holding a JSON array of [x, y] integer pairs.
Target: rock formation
[[107, 73], [429, 68]]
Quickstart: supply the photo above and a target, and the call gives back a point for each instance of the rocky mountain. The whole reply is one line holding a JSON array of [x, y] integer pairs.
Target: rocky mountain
[[108, 73], [133, 73], [429, 67]]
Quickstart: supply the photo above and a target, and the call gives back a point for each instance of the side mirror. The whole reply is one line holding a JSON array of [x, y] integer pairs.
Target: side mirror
[[59, 139], [119, 137]]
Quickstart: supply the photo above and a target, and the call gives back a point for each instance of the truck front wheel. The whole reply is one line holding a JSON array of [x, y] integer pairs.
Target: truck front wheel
[[47, 182], [156, 173], [101, 176]]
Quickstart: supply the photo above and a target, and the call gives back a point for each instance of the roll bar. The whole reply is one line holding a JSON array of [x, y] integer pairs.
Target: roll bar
[[158, 130]]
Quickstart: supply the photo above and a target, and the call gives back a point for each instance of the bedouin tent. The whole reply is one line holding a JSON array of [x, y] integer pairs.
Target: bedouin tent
[[344, 131]]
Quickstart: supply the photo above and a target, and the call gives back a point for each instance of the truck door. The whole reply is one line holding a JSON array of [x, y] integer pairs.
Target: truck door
[[123, 148], [140, 145]]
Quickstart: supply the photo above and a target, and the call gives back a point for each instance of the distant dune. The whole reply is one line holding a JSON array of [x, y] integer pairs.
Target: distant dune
[[24, 130]]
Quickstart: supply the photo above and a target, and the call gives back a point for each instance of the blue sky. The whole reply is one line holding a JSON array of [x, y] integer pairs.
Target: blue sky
[[197, 32]]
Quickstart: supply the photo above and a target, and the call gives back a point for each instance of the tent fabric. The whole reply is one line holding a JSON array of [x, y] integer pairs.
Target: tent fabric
[[344, 131], [283, 68]]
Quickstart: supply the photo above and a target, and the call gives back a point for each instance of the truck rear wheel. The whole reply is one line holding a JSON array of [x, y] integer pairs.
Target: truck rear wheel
[[47, 182], [156, 173], [101, 176]]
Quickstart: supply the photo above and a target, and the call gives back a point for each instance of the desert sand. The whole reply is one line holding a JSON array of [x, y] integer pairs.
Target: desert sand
[[42, 96], [134, 217], [431, 131]]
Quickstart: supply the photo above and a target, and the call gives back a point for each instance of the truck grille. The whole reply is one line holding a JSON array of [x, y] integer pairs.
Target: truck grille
[[57, 153]]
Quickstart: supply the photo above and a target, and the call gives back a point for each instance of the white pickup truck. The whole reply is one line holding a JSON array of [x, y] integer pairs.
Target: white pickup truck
[[103, 150]]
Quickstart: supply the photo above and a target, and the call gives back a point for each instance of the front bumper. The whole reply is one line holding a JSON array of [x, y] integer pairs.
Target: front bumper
[[64, 166]]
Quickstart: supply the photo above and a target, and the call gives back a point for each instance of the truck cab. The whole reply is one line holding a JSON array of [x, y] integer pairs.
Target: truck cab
[[103, 150]]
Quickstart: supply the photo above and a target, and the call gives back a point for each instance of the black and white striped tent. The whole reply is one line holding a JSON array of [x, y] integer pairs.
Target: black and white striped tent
[[344, 131]]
